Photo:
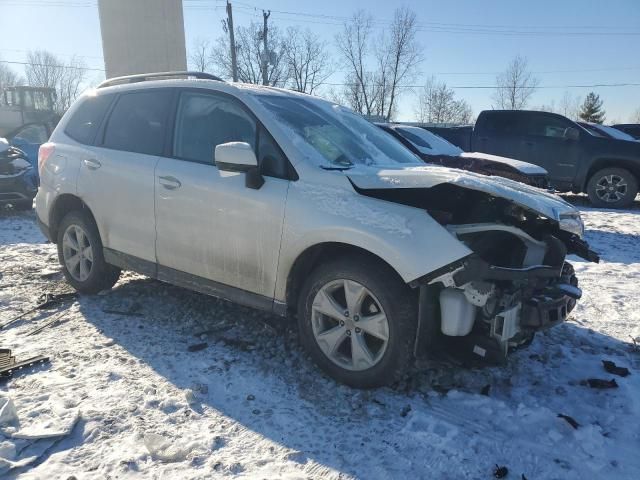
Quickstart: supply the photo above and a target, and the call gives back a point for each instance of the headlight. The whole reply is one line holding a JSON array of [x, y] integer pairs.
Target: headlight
[[572, 223]]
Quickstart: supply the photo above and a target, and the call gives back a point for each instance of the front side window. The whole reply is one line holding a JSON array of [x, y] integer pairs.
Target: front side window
[[84, 123], [334, 135], [206, 120], [138, 122], [547, 126]]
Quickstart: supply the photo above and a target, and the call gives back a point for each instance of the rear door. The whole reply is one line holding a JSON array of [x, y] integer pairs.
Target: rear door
[[499, 133], [544, 143], [209, 223], [116, 178]]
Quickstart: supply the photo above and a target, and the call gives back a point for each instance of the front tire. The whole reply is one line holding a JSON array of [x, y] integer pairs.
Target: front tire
[[612, 188], [357, 319], [80, 254]]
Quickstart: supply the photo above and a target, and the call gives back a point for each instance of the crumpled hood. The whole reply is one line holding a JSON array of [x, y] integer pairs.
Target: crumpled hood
[[531, 198], [522, 167]]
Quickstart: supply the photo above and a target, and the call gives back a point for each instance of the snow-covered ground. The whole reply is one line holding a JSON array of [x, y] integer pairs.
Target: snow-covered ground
[[139, 404]]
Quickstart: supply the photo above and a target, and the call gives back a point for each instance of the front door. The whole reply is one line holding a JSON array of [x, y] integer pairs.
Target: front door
[[544, 143], [209, 224]]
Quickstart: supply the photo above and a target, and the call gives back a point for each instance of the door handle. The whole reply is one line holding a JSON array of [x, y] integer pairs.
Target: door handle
[[530, 144], [91, 163], [170, 183]]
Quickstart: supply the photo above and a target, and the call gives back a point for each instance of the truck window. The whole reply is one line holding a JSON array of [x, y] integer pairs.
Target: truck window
[[547, 126], [504, 123]]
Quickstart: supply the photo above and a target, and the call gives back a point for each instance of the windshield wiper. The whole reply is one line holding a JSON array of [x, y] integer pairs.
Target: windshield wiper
[[336, 167]]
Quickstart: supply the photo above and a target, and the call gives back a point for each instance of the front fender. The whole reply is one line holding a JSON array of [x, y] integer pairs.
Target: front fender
[[407, 238]]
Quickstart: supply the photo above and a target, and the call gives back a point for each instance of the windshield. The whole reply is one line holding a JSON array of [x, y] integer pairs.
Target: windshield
[[428, 142], [615, 133], [340, 137]]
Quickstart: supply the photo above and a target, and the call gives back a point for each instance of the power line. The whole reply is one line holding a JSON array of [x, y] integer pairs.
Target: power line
[[72, 67], [341, 84], [432, 27], [493, 87]]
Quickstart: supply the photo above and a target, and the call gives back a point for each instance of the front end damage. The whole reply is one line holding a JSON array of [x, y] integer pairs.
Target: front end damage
[[517, 280], [496, 299]]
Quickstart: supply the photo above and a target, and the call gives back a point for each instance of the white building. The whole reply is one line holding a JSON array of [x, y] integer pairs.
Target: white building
[[142, 36]]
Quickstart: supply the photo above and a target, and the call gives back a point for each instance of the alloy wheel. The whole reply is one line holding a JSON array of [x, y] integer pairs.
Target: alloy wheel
[[611, 188], [349, 325], [77, 252]]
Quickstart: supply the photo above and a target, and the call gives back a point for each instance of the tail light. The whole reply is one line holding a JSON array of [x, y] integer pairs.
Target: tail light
[[45, 151]]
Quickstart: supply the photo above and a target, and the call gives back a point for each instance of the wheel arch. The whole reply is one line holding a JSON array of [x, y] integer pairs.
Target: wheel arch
[[312, 256], [633, 167], [64, 204]]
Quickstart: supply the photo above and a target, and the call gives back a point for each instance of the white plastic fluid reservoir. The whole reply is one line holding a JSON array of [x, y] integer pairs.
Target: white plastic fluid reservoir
[[457, 313]]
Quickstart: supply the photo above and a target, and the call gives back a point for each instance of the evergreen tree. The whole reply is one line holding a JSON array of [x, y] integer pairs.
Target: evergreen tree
[[591, 110]]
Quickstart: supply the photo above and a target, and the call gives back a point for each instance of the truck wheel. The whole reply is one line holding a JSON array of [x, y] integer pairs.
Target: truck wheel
[[80, 254], [612, 188], [357, 319]]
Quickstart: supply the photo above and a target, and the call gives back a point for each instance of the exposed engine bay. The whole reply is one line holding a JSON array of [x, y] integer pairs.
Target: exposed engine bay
[[516, 282]]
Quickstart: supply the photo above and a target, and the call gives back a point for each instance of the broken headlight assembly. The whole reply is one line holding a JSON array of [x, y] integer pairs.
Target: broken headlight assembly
[[572, 223]]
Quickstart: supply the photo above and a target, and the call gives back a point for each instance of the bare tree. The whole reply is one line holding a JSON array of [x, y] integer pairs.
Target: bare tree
[[308, 60], [569, 106], [398, 58], [353, 44], [437, 104], [8, 78], [378, 67], [515, 86], [250, 53], [200, 57], [635, 116], [46, 70]]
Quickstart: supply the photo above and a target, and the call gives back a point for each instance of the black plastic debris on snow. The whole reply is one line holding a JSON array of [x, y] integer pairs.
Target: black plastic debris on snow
[[9, 365], [614, 369], [600, 383], [570, 420], [47, 300], [500, 472], [197, 347]]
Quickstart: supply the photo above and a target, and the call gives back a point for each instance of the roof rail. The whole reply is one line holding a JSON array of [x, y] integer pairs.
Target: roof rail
[[142, 77]]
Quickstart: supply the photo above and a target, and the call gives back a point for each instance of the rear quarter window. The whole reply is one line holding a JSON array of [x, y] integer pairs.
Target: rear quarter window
[[85, 122]]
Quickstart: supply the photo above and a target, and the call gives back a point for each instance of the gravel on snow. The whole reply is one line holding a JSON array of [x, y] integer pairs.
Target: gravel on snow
[[154, 381]]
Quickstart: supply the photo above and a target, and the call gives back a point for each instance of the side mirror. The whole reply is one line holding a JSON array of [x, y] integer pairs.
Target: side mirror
[[239, 157], [571, 133]]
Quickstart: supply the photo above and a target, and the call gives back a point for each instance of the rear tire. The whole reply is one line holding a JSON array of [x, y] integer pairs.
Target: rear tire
[[80, 254], [350, 346], [612, 188]]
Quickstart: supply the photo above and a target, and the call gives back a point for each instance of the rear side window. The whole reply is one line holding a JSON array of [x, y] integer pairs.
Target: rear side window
[[84, 123], [506, 123], [138, 122]]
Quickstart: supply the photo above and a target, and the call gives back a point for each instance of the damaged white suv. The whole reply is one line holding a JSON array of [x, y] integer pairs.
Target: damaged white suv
[[291, 204]]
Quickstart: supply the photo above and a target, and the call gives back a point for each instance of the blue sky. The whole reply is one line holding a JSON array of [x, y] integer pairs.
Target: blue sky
[[608, 54]]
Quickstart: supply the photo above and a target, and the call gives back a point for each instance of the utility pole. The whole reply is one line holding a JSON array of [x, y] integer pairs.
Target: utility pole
[[265, 49], [232, 42]]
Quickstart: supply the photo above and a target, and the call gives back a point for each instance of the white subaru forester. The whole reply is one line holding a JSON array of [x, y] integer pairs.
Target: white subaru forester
[[292, 204]]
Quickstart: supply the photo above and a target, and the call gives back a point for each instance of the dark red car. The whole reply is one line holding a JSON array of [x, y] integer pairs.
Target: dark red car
[[432, 148]]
